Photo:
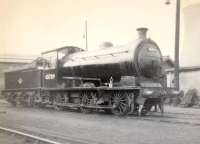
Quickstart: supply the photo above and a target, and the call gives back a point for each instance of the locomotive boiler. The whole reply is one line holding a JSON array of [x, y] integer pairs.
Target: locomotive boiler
[[117, 79], [139, 58]]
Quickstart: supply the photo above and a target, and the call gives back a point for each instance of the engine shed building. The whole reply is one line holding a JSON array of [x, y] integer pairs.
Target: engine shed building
[[189, 78], [10, 62]]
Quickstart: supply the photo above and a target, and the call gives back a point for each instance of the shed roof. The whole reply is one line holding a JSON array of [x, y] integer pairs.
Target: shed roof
[[17, 58]]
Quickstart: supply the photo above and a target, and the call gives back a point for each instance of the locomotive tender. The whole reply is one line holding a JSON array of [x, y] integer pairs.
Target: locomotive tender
[[123, 79]]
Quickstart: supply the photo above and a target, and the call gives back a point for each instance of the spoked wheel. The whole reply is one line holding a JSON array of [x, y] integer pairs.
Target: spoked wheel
[[108, 111], [149, 103], [144, 111], [56, 101], [86, 100], [11, 98], [12, 101], [145, 108], [120, 103], [29, 101], [58, 108]]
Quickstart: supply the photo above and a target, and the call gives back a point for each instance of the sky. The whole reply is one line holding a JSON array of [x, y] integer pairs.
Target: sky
[[29, 27]]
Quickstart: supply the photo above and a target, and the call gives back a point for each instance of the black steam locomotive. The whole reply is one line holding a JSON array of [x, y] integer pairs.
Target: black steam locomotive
[[121, 80]]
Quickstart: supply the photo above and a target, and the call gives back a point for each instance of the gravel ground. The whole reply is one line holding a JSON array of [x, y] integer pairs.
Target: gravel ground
[[176, 126], [9, 139]]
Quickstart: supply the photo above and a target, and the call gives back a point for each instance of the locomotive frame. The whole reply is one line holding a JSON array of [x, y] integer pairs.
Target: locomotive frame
[[53, 87]]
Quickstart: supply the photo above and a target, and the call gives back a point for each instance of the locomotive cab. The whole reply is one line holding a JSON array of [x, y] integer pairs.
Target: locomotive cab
[[55, 56], [52, 76]]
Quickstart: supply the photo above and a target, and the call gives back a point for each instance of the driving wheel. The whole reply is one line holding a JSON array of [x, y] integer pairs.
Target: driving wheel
[[120, 104]]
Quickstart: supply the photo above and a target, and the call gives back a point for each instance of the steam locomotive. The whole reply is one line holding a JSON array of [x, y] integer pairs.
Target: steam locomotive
[[127, 79]]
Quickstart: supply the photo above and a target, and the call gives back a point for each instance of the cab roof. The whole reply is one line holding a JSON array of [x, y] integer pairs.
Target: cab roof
[[62, 48]]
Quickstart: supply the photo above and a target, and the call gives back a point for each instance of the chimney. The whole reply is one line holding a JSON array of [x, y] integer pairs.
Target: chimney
[[142, 32]]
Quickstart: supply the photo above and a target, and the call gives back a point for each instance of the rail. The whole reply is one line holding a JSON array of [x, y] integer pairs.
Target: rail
[[37, 139]]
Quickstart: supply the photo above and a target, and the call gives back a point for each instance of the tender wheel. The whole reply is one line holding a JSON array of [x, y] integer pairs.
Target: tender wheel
[[120, 103], [84, 102], [13, 103], [11, 99], [28, 101]]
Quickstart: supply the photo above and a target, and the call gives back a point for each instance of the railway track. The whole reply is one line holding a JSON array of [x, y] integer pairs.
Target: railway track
[[33, 135], [24, 122], [11, 136], [172, 118]]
